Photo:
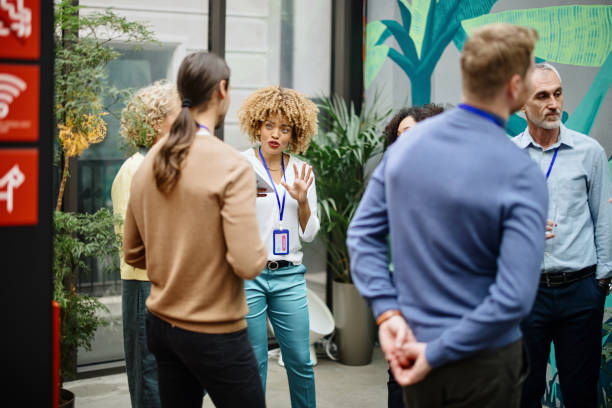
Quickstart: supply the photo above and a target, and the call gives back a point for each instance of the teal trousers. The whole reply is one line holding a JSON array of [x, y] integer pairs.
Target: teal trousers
[[281, 295]]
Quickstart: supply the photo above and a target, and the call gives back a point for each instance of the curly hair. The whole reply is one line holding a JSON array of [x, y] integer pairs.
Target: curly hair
[[289, 103], [417, 112], [144, 114]]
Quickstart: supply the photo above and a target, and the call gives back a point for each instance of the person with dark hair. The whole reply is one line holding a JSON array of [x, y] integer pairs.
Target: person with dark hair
[[278, 121], [191, 223], [466, 213], [407, 118]]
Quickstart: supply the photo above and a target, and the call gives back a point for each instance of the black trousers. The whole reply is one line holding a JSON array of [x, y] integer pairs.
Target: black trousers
[[491, 378], [571, 317], [189, 363]]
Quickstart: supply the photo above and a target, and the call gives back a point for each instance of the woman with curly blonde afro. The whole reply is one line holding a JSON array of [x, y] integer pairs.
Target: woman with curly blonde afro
[[145, 119], [279, 120]]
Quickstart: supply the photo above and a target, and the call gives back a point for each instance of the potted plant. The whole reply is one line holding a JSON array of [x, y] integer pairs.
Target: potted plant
[[82, 51], [346, 145], [77, 237]]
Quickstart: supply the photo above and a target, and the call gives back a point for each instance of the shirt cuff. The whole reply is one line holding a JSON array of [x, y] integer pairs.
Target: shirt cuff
[[382, 304], [435, 353], [604, 270], [312, 227]]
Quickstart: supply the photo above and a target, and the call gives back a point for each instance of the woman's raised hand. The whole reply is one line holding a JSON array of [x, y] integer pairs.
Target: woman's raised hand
[[299, 189]]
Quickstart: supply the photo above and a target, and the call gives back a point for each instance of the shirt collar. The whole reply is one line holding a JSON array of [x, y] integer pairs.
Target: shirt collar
[[565, 138]]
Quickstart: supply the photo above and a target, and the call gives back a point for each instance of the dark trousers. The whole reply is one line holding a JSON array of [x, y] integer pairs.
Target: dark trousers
[[571, 317], [140, 365], [491, 378], [190, 362], [395, 394]]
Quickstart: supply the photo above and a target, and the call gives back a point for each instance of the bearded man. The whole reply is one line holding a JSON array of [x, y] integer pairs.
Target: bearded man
[[577, 264]]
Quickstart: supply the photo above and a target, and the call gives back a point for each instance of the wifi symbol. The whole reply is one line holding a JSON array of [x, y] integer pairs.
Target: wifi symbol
[[10, 88]]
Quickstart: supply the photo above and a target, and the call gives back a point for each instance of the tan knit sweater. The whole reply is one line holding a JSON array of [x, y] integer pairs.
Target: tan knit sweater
[[200, 241]]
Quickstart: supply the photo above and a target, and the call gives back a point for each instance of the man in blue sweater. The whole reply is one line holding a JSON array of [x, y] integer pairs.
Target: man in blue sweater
[[466, 211]]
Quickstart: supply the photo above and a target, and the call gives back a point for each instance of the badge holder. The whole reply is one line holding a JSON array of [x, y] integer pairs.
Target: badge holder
[[280, 242]]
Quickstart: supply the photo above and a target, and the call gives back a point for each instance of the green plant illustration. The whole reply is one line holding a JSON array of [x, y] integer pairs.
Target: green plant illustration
[[575, 35], [427, 27]]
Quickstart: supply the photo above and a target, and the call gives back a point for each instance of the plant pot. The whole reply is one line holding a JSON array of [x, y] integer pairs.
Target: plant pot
[[66, 399], [355, 327]]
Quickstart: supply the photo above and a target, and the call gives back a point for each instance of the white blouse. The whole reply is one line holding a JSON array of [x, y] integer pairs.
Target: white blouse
[[268, 213]]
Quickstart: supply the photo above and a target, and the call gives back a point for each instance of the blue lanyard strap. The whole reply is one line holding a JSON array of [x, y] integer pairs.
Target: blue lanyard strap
[[487, 115], [552, 163], [205, 128], [281, 208]]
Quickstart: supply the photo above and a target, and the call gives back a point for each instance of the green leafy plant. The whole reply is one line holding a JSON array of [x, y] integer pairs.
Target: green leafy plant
[[83, 48], [78, 237], [339, 153]]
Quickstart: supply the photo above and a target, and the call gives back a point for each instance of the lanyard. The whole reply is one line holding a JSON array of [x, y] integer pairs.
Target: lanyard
[[205, 128], [487, 115], [552, 162], [281, 208]]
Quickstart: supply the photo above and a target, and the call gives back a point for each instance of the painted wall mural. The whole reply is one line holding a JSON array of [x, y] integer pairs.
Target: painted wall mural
[[579, 35]]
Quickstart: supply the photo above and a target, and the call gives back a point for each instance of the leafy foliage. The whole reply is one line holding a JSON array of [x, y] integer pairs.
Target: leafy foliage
[[78, 237], [339, 153], [83, 48], [82, 51]]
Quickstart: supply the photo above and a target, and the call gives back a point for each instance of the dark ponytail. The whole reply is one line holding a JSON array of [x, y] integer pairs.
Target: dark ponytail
[[198, 78]]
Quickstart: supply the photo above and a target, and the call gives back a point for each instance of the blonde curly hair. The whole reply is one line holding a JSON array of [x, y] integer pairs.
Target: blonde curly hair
[[285, 102], [144, 114]]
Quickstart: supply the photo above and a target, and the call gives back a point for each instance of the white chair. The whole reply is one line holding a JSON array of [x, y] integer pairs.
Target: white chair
[[321, 324]]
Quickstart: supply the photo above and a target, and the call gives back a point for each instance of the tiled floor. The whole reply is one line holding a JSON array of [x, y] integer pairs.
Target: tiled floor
[[337, 386]]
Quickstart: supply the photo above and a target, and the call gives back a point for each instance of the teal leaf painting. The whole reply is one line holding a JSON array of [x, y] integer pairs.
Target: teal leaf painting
[[578, 35], [375, 54], [575, 35], [426, 29]]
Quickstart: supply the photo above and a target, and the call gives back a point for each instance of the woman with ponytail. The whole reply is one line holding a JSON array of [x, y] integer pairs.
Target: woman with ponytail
[[191, 223], [146, 118]]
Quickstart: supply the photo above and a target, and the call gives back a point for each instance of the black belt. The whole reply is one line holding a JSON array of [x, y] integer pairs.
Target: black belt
[[274, 265], [549, 280]]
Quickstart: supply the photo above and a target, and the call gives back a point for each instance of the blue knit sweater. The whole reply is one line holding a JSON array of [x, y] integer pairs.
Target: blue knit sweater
[[466, 212]]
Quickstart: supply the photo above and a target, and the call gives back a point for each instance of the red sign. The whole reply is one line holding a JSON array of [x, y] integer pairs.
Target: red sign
[[20, 29], [18, 187], [19, 101]]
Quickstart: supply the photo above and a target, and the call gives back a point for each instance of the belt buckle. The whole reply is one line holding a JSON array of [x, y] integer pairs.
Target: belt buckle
[[273, 265]]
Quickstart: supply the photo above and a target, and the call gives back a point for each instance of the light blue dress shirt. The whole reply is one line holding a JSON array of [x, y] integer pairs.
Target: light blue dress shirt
[[579, 187]]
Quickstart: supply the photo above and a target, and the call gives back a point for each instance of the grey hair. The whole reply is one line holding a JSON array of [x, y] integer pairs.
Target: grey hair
[[548, 67]]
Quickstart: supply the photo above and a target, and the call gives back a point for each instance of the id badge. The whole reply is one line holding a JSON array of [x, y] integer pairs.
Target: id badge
[[280, 242]]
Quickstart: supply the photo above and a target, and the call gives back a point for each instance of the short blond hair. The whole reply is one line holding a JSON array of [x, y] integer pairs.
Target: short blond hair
[[288, 103], [493, 54], [146, 111]]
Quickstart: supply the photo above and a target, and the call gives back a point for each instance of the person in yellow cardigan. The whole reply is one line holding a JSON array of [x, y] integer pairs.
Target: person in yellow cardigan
[[145, 119]]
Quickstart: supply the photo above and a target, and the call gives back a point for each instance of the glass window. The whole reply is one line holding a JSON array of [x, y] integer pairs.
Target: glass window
[[276, 42], [98, 165]]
